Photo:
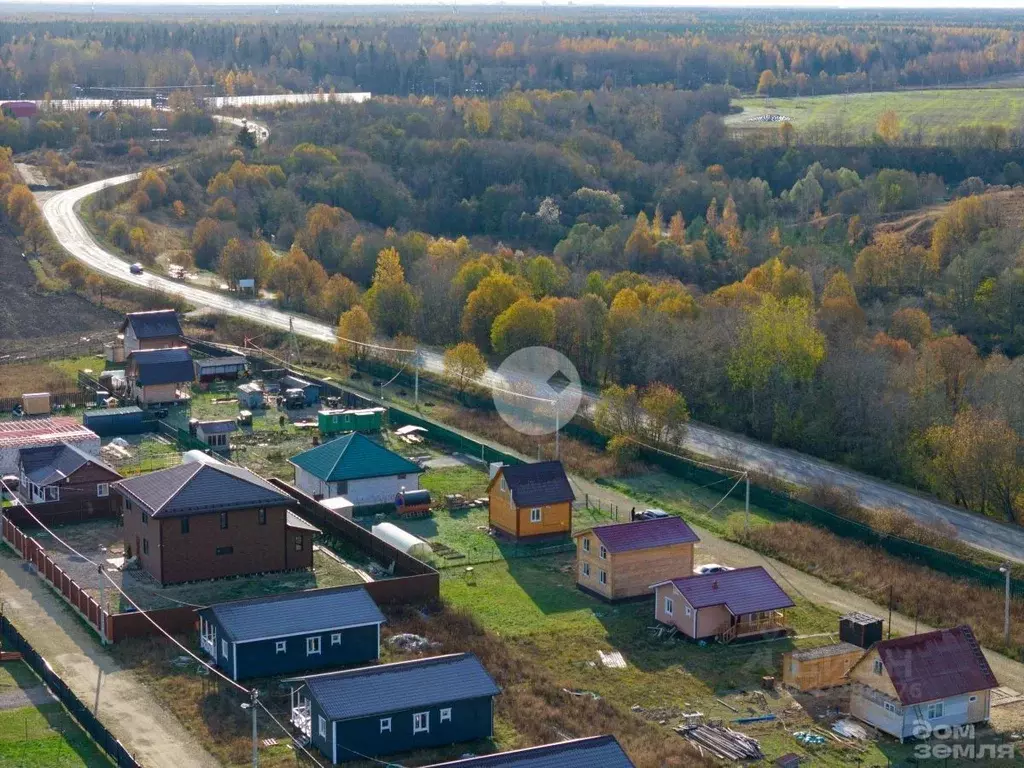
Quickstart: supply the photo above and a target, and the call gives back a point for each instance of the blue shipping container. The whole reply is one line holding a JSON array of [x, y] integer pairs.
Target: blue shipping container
[[111, 422]]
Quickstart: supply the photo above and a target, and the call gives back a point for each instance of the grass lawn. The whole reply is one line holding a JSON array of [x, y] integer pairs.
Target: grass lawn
[[59, 375], [43, 735], [533, 603], [935, 111]]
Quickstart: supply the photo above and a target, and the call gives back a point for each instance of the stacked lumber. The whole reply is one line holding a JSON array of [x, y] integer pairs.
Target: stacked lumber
[[723, 742]]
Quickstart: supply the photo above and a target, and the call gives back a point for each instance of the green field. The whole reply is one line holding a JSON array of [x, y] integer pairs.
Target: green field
[[933, 111]]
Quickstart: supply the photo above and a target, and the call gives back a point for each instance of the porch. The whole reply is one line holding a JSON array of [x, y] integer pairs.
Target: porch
[[750, 624], [208, 638], [301, 718]]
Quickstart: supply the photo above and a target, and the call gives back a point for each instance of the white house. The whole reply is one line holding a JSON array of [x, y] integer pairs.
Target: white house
[[357, 468]]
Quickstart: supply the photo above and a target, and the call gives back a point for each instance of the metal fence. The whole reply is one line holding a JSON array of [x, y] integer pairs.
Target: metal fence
[[89, 722]]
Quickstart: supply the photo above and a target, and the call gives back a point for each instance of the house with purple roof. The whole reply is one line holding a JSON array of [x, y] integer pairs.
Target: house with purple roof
[[732, 605], [621, 561]]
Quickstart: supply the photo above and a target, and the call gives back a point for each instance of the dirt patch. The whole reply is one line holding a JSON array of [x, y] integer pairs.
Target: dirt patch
[[28, 313]]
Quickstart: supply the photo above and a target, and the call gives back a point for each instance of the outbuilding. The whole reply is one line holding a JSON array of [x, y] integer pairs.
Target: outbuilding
[[216, 434], [817, 668], [392, 708], [210, 368], [251, 395], [111, 422], [291, 633]]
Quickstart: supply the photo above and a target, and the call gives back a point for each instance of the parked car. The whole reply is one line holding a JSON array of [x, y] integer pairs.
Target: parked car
[[702, 570], [653, 514], [135, 269]]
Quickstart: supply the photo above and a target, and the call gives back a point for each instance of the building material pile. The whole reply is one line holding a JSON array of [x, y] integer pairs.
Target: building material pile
[[723, 742]]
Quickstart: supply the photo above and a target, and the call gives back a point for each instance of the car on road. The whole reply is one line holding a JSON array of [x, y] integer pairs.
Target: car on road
[[704, 570], [653, 514], [135, 269]]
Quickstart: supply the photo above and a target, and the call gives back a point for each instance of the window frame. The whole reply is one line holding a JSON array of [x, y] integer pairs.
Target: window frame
[[936, 710], [300, 542], [185, 525], [224, 649], [669, 606], [585, 569], [313, 645], [602, 576], [445, 716], [586, 543], [335, 638], [603, 552], [536, 515], [223, 521], [418, 719], [385, 725], [321, 726], [281, 646], [228, 550], [145, 545], [878, 666], [102, 490], [261, 516]]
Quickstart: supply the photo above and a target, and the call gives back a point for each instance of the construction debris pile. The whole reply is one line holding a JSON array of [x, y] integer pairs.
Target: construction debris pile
[[723, 742]]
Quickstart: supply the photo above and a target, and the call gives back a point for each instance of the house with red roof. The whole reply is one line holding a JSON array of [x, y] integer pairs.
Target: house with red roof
[[616, 562], [727, 606], [911, 685]]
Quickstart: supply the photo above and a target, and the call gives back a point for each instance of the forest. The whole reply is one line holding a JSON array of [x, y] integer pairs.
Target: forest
[[574, 183]]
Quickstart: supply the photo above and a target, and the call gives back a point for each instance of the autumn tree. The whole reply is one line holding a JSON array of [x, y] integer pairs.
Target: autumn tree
[[888, 126], [298, 280], [666, 414], [492, 296], [390, 300], [339, 295], [463, 365], [618, 412], [949, 363], [208, 240], [75, 274], [766, 83], [245, 260], [911, 324], [781, 281], [355, 331], [526, 323]]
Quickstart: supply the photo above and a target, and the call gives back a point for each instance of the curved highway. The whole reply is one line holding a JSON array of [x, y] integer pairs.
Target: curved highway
[[1005, 540]]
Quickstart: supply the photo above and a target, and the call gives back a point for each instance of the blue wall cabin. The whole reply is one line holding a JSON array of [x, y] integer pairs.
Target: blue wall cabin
[[392, 708], [292, 633]]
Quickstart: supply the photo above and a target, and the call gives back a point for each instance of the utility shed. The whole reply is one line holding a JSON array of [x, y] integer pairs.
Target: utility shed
[[593, 752], [818, 668], [111, 422], [210, 368], [391, 708], [291, 633]]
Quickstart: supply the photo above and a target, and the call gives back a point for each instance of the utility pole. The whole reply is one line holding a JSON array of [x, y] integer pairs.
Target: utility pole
[[556, 430], [746, 508], [1005, 570], [103, 608], [255, 734], [889, 636]]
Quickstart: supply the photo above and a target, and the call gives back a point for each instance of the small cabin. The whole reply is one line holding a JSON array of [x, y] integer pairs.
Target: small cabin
[[251, 395], [216, 434], [819, 668]]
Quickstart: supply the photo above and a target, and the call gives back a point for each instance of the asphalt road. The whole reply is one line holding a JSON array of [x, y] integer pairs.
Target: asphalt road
[[1004, 540]]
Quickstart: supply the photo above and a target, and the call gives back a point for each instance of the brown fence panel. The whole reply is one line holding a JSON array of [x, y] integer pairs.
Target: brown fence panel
[[124, 625], [405, 589]]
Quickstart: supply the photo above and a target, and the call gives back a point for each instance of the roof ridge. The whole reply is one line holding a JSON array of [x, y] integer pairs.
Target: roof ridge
[[393, 665], [198, 468]]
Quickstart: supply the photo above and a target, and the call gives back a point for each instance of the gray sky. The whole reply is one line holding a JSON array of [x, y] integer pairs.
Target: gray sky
[[880, 4]]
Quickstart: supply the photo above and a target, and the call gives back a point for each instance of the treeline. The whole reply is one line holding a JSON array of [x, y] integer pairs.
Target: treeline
[[433, 53]]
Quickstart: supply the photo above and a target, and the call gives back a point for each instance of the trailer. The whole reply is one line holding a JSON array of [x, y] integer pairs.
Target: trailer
[[337, 421]]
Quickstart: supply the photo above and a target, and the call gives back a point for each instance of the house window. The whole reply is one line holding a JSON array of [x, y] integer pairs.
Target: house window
[[321, 726], [336, 638], [52, 493], [145, 517], [972, 699], [298, 543], [261, 515], [586, 543], [687, 610], [225, 550], [878, 666], [281, 646], [184, 525], [223, 520], [935, 710], [504, 485], [421, 722], [102, 489], [385, 725], [224, 648], [586, 569], [535, 515], [446, 715], [602, 553], [128, 504], [312, 645], [668, 605], [602, 576], [145, 546]]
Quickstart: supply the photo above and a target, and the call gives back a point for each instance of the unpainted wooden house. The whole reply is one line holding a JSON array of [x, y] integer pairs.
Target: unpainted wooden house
[[157, 376], [531, 501], [827, 666], [622, 561], [909, 686]]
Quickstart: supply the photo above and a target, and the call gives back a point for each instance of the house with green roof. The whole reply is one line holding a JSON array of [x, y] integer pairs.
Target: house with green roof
[[356, 467]]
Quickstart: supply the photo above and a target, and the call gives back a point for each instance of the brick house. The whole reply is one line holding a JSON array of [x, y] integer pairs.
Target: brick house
[[158, 329], [62, 482], [620, 561], [531, 501], [207, 520]]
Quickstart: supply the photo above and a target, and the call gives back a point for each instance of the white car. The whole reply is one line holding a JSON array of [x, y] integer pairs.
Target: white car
[[703, 570]]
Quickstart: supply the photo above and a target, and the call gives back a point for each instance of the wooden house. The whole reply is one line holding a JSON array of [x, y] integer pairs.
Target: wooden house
[[207, 520], [156, 376], [158, 329], [291, 633], [911, 685], [63, 482], [592, 752], [531, 501], [742, 603], [392, 708], [818, 668], [622, 561]]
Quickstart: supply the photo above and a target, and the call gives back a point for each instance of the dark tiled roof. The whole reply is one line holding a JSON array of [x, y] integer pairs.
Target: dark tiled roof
[[744, 590], [153, 325], [644, 534], [49, 464], [217, 362], [535, 485], [936, 665], [353, 457], [295, 613], [162, 366], [594, 752], [824, 651], [200, 488], [407, 684], [219, 427]]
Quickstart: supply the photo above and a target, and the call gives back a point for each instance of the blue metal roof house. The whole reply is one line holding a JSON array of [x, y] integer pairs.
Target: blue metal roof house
[[391, 708], [592, 752], [290, 633]]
